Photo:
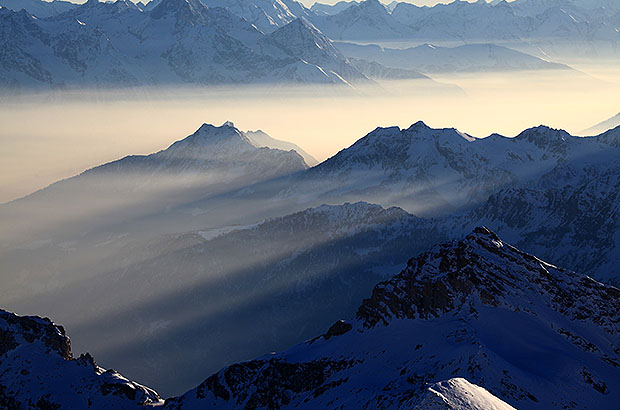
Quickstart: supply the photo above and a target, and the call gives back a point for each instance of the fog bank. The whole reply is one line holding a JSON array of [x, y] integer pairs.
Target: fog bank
[[46, 138]]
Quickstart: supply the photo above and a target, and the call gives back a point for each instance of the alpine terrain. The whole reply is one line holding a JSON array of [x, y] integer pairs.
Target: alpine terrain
[[470, 324]]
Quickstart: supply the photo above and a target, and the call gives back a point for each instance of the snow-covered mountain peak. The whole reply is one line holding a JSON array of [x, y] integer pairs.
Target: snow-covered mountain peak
[[471, 311], [356, 214], [393, 148], [371, 5], [481, 270], [611, 137], [544, 136], [459, 394], [303, 40], [417, 132], [126, 4], [419, 125], [94, 7], [420, 128], [301, 35], [209, 135], [266, 15], [181, 9]]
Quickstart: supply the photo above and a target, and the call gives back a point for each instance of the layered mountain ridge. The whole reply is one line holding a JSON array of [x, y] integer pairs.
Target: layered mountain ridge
[[430, 58], [543, 190], [477, 309], [472, 21], [211, 161], [176, 42], [438, 171], [241, 282], [470, 324]]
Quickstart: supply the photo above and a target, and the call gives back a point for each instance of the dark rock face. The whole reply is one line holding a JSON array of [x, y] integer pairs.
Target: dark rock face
[[447, 277], [477, 309], [272, 380], [31, 329], [338, 329], [38, 371]]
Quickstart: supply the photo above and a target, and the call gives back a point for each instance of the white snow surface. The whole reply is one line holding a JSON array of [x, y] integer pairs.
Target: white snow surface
[[175, 42], [459, 394]]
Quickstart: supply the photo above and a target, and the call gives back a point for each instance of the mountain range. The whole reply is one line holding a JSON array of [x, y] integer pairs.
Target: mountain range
[[180, 237], [163, 43], [429, 58], [478, 309], [478, 21], [176, 42], [370, 20], [277, 283], [331, 9], [39, 8], [469, 324], [603, 126], [238, 257], [210, 162]]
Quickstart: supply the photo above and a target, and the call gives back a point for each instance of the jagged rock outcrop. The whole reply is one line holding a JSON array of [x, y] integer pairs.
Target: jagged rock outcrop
[[38, 371], [478, 309]]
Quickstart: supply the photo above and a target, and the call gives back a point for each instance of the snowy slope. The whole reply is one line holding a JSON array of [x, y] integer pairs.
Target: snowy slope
[[603, 126], [331, 9], [175, 42], [533, 335], [39, 8], [38, 371], [430, 58], [368, 20], [260, 139], [304, 41], [473, 21], [437, 171], [459, 394], [571, 216], [468, 325], [267, 15], [211, 161]]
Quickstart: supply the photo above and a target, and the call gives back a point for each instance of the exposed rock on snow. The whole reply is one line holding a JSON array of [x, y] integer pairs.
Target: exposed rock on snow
[[38, 371], [478, 309]]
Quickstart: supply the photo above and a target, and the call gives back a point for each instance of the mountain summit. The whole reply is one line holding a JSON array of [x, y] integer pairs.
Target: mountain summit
[[210, 161], [181, 9], [303, 40]]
